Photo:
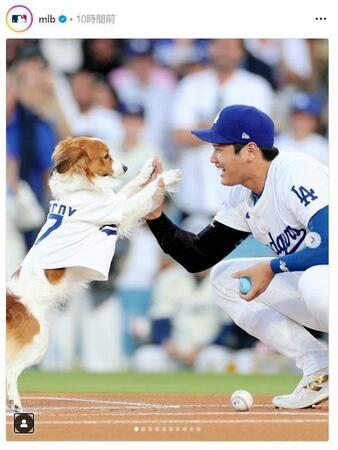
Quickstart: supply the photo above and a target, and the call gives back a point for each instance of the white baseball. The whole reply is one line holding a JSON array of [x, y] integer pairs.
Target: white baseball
[[241, 400]]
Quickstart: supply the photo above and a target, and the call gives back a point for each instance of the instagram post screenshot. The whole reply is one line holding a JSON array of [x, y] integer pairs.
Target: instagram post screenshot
[[166, 175]]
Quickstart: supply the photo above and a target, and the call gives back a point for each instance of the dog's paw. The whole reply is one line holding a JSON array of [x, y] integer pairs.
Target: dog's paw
[[146, 171], [170, 178]]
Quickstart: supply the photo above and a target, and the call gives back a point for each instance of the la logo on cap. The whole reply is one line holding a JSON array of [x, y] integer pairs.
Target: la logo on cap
[[245, 136]]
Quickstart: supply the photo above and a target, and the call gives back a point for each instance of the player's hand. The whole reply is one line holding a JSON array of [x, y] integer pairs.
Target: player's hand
[[159, 195], [260, 275], [158, 168]]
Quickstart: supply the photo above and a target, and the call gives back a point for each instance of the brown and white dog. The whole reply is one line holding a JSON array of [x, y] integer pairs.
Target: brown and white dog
[[76, 245]]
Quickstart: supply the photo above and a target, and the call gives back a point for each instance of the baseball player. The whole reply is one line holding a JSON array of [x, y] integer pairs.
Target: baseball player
[[282, 199]]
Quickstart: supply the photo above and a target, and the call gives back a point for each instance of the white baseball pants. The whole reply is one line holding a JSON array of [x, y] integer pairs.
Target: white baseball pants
[[277, 317]]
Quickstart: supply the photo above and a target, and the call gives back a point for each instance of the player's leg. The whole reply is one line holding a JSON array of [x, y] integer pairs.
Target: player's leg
[[314, 291], [275, 317]]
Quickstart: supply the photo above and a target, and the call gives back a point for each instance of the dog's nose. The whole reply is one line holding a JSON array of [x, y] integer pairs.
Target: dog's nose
[[125, 168]]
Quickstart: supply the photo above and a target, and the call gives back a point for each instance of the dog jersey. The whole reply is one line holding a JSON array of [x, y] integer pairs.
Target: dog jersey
[[80, 231], [295, 189]]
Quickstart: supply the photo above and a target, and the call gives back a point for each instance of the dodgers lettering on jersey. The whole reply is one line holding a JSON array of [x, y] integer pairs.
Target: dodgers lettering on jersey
[[288, 241], [296, 188]]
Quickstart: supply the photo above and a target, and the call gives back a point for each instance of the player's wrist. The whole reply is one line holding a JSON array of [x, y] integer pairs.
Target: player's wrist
[[154, 215], [275, 265]]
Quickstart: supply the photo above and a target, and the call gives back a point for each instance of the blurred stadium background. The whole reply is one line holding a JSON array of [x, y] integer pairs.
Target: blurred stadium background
[[142, 97]]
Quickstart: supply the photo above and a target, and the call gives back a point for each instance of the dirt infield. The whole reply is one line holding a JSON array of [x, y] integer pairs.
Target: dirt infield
[[156, 417]]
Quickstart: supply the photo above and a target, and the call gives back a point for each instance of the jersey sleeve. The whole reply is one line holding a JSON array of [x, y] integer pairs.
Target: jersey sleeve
[[306, 189], [232, 212]]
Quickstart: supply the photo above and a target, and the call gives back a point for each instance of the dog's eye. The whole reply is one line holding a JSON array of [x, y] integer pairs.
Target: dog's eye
[[106, 156]]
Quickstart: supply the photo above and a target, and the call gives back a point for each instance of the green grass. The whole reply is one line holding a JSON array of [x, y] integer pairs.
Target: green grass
[[129, 382]]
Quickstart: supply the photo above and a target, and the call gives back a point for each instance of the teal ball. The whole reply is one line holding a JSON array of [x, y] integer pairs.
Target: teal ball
[[244, 285]]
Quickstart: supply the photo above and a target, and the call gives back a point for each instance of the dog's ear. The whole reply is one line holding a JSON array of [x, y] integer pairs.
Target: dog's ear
[[64, 155], [70, 156]]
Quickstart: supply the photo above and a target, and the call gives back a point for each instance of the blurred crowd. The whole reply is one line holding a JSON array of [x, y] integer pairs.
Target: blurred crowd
[[142, 97]]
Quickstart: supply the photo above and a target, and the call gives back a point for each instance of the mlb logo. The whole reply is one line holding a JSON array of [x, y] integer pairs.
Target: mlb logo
[[19, 18]]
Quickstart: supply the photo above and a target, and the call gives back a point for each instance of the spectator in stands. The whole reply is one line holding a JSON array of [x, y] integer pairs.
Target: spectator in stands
[[259, 67], [135, 148], [14, 48], [87, 116], [30, 139], [290, 59], [142, 81], [36, 87], [304, 123], [184, 56], [104, 94], [102, 55], [23, 214], [63, 55]]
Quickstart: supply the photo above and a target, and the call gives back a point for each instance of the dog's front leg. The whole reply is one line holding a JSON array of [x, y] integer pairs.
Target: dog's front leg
[[134, 186], [139, 206], [131, 188], [149, 198]]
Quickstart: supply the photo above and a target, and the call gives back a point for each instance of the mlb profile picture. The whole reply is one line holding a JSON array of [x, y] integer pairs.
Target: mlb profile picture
[[19, 18]]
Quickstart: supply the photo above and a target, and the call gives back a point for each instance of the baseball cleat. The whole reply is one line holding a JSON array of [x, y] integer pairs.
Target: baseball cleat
[[312, 390]]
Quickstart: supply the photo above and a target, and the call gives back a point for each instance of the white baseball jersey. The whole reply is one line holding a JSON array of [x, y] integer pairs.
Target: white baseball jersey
[[80, 231], [296, 188]]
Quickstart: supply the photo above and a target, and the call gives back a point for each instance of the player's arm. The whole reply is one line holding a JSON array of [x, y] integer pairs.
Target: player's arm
[[308, 257], [195, 252]]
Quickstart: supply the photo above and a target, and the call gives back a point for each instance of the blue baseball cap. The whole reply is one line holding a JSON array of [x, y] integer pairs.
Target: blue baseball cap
[[240, 123], [306, 103]]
